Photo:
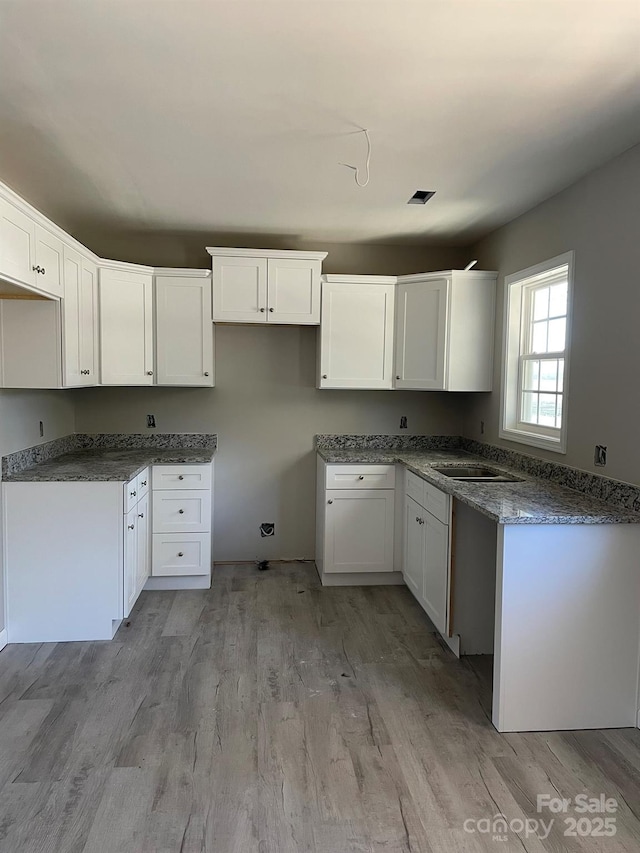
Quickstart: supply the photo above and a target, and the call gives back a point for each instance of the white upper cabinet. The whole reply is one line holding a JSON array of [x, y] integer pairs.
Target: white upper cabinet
[[17, 244], [49, 262], [444, 331], [30, 343], [80, 320], [356, 332], [126, 327], [184, 330], [265, 286]]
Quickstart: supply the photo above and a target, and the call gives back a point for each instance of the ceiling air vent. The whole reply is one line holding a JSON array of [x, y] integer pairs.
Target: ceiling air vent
[[421, 196]]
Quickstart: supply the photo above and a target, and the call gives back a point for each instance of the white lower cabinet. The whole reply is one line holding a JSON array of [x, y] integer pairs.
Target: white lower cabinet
[[182, 520], [136, 540], [426, 562]]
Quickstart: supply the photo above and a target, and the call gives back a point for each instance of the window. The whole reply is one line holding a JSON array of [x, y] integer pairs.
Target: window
[[537, 321]]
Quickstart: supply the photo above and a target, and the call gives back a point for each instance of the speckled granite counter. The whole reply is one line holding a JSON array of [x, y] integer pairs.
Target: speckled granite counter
[[530, 501], [102, 458]]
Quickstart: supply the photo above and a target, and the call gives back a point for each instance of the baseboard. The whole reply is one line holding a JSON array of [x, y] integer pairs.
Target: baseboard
[[638, 719], [3, 638], [453, 643], [363, 579], [188, 582]]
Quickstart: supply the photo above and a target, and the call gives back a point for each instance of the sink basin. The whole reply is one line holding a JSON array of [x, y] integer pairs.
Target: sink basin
[[476, 475]]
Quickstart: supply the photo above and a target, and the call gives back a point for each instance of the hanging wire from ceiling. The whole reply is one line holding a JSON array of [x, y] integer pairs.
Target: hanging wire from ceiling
[[356, 169]]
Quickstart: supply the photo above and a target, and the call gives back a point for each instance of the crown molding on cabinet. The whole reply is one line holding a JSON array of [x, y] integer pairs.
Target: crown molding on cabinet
[[334, 278], [183, 273], [480, 275], [225, 251]]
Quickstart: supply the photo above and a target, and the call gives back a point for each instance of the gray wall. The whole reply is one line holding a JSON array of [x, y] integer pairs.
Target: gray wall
[[266, 409], [599, 218]]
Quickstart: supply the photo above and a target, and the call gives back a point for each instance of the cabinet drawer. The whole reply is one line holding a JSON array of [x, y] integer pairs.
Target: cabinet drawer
[[415, 488], [142, 483], [181, 477], [438, 503], [180, 554], [130, 494], [360, 477], [185, 511]]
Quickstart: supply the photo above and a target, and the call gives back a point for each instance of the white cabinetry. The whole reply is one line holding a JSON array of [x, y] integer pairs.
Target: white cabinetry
[[182, 520], [355, 519], [30, 343], [426, 563], [136, 538], [29, 253], [265, 286], [356, 332], [126, 327], [48, 262], [444, 331], [79, 320], [184, 328]]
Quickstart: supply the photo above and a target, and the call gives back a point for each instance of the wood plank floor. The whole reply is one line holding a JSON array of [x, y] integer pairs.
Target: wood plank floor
[[272, 715]]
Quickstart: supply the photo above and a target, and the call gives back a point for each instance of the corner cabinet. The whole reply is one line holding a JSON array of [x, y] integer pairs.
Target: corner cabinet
[[126, 327], [355, 342], [79, 320], [266, 286], [444, 331], [184, 328]]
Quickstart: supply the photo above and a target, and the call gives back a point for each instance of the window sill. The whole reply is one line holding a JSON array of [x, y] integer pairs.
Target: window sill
[[556, 445]]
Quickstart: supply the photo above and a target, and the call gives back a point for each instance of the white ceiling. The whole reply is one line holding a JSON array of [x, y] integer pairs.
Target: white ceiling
[[234, 116]]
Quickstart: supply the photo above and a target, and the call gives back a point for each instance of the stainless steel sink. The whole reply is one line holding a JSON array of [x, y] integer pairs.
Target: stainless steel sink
[[476, 475]]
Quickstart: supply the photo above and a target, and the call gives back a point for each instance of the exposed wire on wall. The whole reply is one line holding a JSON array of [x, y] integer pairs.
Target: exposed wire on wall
[[356, 169]]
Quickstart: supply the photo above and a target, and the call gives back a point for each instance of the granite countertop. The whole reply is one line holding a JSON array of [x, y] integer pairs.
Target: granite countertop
[[532, 500], [108, 464]]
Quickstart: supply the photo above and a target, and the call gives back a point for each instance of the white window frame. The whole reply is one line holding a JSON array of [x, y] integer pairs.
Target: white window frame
[[515, 327]]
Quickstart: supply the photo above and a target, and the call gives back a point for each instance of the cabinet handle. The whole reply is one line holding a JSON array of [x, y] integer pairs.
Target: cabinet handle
[[35, 269], [181, 511], [180, 477], [361, 477], [144, 484], [330, 501], [324, 375], [271, 310], [262, 310], [140, 515], [131, 526], [133, 494], [149, 372], [398, 376], [418, 519], [180, 554], [42, 270], [206, 373]]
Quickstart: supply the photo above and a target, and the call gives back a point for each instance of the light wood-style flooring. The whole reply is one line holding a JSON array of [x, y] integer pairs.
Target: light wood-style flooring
[[270, 715]]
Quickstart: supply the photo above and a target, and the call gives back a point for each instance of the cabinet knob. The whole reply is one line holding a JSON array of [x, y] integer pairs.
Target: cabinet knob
[[140, 515], [361, 477], [180, 554], [131, 526], [206, 373], [330, 501], [42, 270], [181, 511], [180, 477], [144, 483], [133, 494], [149, 372], [271, 310], [418, 519], [324, 375], [262, 310], [398, 376], [35, 268]]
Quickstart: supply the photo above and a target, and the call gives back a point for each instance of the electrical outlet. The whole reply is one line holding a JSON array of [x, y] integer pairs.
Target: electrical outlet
[[267, 528], [403, 422], [151, 421], [41, 429], [600, 456]]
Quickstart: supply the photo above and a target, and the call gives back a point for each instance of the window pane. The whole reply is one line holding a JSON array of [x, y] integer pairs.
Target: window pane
[[531, 376], [558, 300], [530, 408], [547, 410], [557, 330], [541, 303], [561, 374], [548, 375], [559, 411], [539, 337]]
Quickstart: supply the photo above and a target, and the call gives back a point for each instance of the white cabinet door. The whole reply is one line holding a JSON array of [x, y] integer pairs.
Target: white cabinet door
[[126, 328], [435, 589], [239, 289], [184, 331], [143, 544], [359, 528], [293, 287], [49, 262], [356, 336], [17, 245], [130, 560], [79, 320], [30, 343], [421, 334], [413, 558]]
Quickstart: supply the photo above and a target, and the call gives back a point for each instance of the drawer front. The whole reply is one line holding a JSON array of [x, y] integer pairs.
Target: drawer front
[[438, 503], [143, 481], [360, 477], [130, 495], [415, 488], [181, 477], [180, 554], [186, 511]]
